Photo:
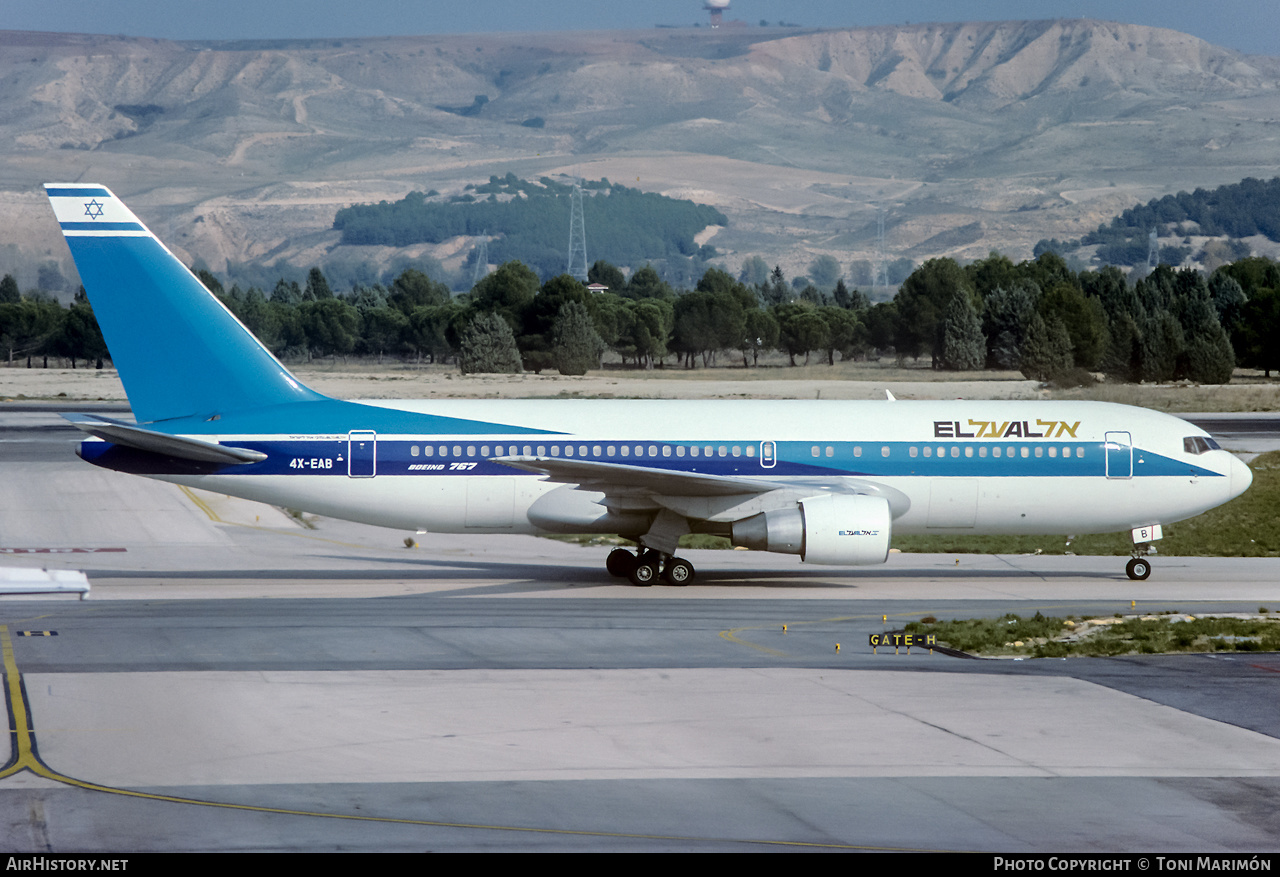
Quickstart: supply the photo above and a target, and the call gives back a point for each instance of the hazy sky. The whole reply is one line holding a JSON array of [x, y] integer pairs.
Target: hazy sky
[[1247, 25]]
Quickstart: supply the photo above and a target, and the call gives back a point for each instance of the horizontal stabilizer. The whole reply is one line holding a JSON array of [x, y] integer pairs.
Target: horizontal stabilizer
[[161, 443]]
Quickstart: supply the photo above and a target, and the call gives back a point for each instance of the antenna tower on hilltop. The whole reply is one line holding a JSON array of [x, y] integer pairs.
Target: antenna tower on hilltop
[[482, 259], [880, 275], [577, 236]]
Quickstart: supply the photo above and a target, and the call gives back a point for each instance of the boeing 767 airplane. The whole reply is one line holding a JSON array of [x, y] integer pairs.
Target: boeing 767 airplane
[[829, 481]]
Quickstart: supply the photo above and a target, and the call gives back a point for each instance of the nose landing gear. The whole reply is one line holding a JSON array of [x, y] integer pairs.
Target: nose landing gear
[[1138, 568]]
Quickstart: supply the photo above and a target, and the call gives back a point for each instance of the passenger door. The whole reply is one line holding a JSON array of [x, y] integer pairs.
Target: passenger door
[[1119, 448], [362, 453]]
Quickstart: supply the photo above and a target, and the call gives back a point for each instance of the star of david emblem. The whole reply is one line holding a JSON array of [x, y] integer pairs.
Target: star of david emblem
[[93, 209]]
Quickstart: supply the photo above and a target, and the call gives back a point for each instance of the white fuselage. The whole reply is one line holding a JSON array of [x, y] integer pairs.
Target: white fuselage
[[965, 467]]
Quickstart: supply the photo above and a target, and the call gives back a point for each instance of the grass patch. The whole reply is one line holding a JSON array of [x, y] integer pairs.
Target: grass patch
[[1045, 637]]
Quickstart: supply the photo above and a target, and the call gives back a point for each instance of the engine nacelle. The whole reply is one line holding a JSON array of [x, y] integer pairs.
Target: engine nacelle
[[835, 529]]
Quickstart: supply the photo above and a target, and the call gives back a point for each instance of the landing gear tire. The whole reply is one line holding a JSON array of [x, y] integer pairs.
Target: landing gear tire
[[644, 573], [620, 562], [1138, 569], [679, 572]]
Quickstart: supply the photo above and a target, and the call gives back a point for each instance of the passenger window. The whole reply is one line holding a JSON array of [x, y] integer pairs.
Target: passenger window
[[457, 450], [814, 450], [626, 451], [831, 452], [413, 451], [471, 450], [911, 451], [555, 450], [884, 450], [857, 450], [955, 450], [723, 450], [928, 451], [428, 451], [737, 450], [653, 450], [751, 450], [995, 452], [1026, 452], [680, 450], [982, 451], [968, 450], [595, 450]]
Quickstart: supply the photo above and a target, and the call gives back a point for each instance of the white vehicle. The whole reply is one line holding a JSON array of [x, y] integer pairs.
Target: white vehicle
[[829, 481]]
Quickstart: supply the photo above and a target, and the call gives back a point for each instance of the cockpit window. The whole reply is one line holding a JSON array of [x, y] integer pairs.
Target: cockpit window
[[1199, 444]]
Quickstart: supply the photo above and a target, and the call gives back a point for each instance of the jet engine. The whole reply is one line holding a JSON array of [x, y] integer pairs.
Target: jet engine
[[836, 529]]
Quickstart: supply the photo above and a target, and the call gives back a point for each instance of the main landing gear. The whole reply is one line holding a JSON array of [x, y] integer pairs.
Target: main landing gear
[[647, 566]]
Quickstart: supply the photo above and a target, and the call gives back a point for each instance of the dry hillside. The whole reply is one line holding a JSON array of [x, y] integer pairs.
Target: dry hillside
[[970, 137]]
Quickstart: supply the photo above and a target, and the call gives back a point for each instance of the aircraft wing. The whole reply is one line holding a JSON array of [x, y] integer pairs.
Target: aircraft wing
[[609, 477], [149, 440], [613, 479]]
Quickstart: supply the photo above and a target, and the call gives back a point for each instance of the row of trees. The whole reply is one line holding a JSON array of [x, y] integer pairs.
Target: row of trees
[[1050, 322], [35, 326], [1038, 316]]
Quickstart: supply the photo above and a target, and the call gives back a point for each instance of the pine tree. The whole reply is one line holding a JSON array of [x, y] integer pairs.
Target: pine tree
[[963, 346], [489, 346], [1004, 321], [576, 345], [1046, 349]]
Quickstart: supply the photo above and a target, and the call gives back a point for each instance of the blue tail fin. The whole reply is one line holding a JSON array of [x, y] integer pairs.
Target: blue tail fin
[[178, 350]]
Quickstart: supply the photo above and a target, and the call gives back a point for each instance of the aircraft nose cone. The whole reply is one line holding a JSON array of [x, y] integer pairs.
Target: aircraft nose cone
[[1241, 477]]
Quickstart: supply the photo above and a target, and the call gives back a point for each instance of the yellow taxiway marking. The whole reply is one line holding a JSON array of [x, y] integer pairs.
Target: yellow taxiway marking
[[25, 758]]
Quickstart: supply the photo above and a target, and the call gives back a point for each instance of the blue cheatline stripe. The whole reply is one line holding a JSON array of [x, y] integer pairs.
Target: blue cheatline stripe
[[326, 456], [102, 226], [92, 192]]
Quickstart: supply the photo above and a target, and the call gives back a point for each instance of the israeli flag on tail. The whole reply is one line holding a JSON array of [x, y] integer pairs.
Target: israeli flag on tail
[[179, 351]]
